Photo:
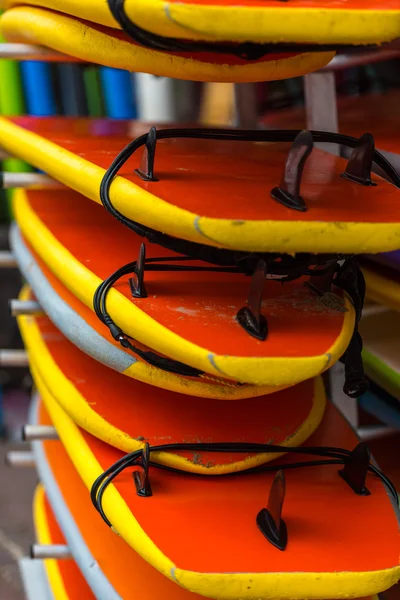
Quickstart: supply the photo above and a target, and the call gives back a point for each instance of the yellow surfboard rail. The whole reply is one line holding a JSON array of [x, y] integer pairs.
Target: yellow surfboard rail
[[238, 23], [273, 371], [83, 415], [219, 586], [139, 205], [81, 40], [43, 536]]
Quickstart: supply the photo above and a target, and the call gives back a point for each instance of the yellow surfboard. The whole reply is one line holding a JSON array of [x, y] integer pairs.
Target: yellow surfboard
[[98, 543], [110, 47], [216, 192], [125, 413], [303, 21], [185, 529], [191, 316], [65, 579]]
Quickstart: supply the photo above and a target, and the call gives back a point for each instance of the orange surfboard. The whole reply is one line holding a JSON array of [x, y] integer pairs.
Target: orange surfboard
[[185, 528], [109, 550], [82, 327], [217, 192], [65, 580], [298, 22], [127, 413], [188, 316]]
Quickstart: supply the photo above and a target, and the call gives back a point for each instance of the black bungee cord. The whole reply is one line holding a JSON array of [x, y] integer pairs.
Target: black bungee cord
[[220, 256], [141, 459], [249, 51]]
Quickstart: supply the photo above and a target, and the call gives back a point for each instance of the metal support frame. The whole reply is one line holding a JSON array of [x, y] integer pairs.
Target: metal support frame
[[13, 358], [321, 107], [19, 458], [24, 307], [55, 551], [7, 260], [39, 433], [29, 181]]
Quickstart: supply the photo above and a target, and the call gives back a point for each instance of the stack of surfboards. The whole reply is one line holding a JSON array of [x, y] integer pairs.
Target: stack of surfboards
[[186, 290]]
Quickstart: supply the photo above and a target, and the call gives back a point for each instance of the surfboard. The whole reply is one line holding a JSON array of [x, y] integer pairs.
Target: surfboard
[[82, 327], [189, 316], [309, 22], [185, 528], [380, 337], [126, 413], [91, 542], [196, 176], [382, 284], [65, 580], [112, 48]]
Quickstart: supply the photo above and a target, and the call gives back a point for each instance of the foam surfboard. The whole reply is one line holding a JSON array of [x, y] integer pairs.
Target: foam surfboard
[[65, 580], [111, 48], [381, 357], [69, 502], [383, 283], [196, 176], [91, 542], [311, 22], [185, 528], [82, 327], [126, 413], [187, 316]]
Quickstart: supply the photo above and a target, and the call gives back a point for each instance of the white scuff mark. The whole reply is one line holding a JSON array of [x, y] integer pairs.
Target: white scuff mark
[[186, 311]]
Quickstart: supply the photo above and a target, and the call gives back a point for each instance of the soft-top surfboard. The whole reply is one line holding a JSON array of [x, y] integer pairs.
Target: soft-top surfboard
[[65, 580], [82, 327], [189, 316], [382, 284], [381, 349], [112, 48], [98, 544], [302, 21], [185, 528], [127, 413], [314, 209]]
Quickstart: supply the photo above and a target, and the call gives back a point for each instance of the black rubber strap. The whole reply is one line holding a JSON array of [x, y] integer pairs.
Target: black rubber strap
[[245, 261], [248, 50]]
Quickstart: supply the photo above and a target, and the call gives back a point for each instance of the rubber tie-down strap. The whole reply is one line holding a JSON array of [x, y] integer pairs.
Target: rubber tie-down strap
[[249, 51], [141, 478], [245, 261], [288, 192], [249, 317], [269, 520], [359, 167], [351, 280], [355, 469]]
